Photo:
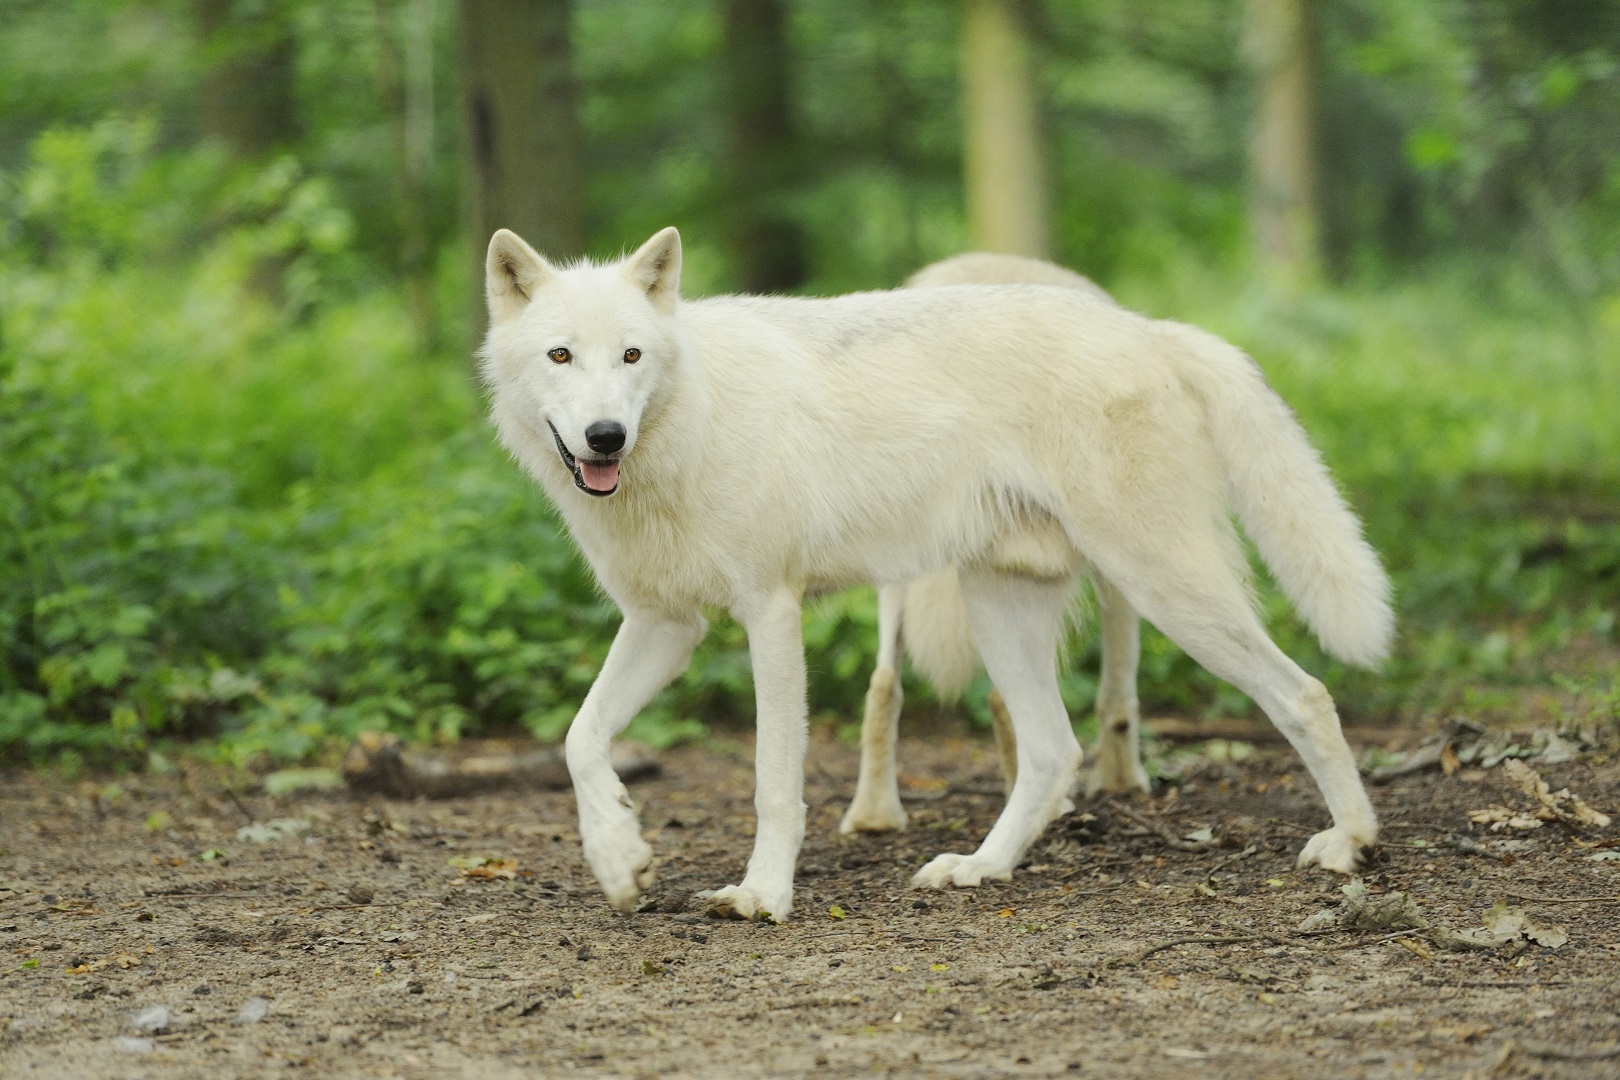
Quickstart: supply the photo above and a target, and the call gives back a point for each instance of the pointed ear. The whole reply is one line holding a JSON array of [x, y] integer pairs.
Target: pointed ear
[[655, 268], [512, 272]]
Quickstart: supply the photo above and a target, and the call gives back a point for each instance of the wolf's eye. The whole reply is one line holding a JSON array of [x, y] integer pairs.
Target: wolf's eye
[[560, 356], [632, 355]]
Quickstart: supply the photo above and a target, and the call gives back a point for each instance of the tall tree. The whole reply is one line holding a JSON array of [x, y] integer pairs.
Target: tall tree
[[405, 71], [525, 150], [247, 93], [1282, 49], [1003, 156], [762, 161]]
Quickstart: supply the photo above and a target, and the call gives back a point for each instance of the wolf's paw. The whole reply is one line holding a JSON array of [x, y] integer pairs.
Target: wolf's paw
[[873, 815], [744, 902], [622, 862], [1335, 849], [966, 871], [1115, 774]]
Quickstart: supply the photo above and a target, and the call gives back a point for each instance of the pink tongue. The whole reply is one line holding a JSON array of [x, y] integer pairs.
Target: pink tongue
[[600, 477]]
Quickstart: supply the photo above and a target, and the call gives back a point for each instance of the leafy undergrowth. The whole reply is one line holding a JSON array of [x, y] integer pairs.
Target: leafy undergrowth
[[242, 505]]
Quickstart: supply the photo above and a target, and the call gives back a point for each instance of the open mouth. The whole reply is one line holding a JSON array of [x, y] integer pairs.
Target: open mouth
[[597, 477]]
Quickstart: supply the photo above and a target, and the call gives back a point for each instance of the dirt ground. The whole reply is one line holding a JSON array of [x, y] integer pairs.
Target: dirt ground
[[359, 949]]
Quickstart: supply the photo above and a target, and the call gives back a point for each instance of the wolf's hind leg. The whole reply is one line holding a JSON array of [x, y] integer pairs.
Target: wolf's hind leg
[[1016, 623], [1119, 745], [876, 806], [1207, 613]]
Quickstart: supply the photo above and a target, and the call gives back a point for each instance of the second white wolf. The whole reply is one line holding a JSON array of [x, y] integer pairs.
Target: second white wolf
[[743, 451], [929, 617]]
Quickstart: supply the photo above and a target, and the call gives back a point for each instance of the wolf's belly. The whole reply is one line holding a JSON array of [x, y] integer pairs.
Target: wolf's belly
[[1028, 542]]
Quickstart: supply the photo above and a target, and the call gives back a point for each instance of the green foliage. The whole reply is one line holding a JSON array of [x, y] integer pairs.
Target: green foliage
[[241, 499]]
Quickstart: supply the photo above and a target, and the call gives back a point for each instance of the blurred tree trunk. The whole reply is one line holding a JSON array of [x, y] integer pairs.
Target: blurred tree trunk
[[525, 150], [1281, 45], [1005, 166], [247, 87], [406, 33], [761, 166]]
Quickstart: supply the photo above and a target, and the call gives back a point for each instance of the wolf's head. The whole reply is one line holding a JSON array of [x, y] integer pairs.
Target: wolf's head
[[578, 354]]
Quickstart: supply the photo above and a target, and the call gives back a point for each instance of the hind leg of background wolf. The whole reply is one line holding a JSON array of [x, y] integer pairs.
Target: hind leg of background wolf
[[876, 806], [1204, 609], [1016, 624], [647, 653], [1119, 742]]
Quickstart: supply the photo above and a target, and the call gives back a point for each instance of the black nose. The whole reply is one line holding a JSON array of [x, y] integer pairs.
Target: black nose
[[605, 436]]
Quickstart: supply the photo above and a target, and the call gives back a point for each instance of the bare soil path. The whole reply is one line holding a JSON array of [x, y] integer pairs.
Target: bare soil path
[[358, 948]]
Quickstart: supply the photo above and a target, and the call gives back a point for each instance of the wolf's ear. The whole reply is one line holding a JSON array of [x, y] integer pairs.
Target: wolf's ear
[[512, 272], [655, 268]]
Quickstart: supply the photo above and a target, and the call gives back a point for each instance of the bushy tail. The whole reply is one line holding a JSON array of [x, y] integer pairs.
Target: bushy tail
[[938, 635], [1289, 506]]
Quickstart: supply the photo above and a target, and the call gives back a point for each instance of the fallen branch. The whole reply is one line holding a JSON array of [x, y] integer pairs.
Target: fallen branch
[[1376, 940], [1567, 899], [1161, 831], [1230, 859], [1231, 939], [984, 791], [1558, 1053], [379, 762], [1173, 729]]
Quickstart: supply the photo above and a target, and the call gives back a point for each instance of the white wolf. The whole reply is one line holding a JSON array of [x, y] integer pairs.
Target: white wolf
[[743, 451]]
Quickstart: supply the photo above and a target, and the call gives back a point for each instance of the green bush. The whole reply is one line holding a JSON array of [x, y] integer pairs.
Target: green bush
[[242, 504]]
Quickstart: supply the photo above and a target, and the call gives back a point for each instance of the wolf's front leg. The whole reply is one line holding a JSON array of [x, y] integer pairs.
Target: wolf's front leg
[[648, 652], [776, 647]]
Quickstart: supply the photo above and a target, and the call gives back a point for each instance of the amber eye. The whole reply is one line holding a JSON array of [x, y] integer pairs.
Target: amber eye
[[632, 355], [560, 356]]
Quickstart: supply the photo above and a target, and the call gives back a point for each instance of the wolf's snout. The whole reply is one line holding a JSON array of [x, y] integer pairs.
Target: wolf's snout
[[605, 436]]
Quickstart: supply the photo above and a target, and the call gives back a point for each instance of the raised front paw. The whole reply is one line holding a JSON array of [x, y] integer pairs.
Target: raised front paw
[[1336, 849], [747, 902], [622, 862], [966, 871]]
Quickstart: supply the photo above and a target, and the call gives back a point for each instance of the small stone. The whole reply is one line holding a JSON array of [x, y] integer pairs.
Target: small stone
[[359, 894], [415, 987], [256, 1008], [202, 988], [153, 1018]]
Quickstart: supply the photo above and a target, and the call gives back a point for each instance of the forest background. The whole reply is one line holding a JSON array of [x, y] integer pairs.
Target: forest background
[[248, 501]]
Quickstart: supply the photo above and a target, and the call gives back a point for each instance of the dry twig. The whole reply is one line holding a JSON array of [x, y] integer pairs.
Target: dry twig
[[1231, 939]]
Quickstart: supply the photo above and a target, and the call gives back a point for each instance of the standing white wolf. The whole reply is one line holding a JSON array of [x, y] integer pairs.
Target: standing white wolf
[[743, 451]]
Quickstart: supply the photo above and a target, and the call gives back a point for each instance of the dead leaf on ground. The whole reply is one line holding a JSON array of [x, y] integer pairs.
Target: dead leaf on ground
[[1561, 805], [486, 867], [1503, 925], [1502, 817], [1391, 911], [1416, 947]]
